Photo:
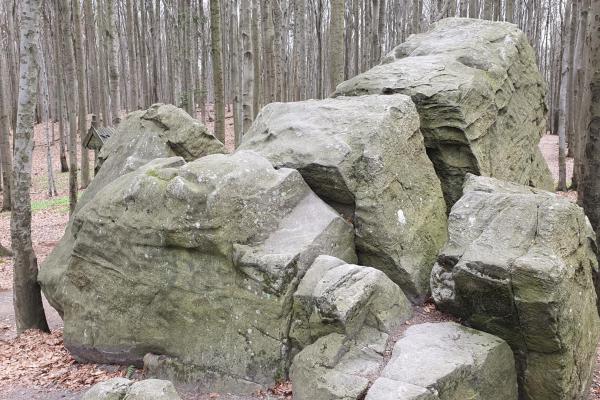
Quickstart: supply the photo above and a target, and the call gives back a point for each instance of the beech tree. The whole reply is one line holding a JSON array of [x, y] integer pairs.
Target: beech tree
[[590, 190], [5, 153], [29, 310], [216, 51]]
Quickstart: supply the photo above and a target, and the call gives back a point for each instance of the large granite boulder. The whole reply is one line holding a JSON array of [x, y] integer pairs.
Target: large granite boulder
[[365, 157], [161, 131], [351, 311], [519, 264], [447, 361], [197, 262], [480, 97]]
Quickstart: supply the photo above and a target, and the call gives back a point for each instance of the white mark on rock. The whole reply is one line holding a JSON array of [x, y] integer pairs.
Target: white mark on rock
[[401, 217]]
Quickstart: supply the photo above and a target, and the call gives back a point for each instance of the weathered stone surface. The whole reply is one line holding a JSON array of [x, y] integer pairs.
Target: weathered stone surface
[[125, 389], [112, 389], [338, 297], [519, 264], [317, 375], [480, 97], [152, 389], [199, 262], [351, 310], [161, 131], [450, 362], [365, 157]]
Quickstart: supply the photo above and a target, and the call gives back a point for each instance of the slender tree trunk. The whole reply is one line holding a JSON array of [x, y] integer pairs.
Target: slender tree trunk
[[300, 47], [92, 59], [473, 8], [81, 92], [248, 68], [270, 78], [256, 59], [510, 10], [580, 92], [216, 51], [64, 166], [571, 78], [336, 43], [563, 100], [46, 120], [277, 24], [134, 103], [71, 79], [590, 190], [203, 65], [5, 151], [29, 310], [113, 59]]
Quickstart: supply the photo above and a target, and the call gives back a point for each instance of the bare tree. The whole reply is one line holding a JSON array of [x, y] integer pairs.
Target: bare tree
[[113, 41], [71, 79], [248, 68], [563, 101], [216, 51], [81, 90], [5, 153], [590, 190], [336, 42], [29, 310]]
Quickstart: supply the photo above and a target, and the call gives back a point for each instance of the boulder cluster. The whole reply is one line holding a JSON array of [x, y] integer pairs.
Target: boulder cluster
[[302, 254]]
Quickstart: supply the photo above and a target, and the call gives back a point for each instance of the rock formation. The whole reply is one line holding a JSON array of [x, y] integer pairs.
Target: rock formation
[[365, 157], [228, 272], [430, 361], [480, 97], [350, 310], [519, 264], [161, 131], [198, 261], [125, 389], [447, 361]]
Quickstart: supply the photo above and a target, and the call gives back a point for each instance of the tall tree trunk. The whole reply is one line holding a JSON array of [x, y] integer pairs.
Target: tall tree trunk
[[216, 52], [510, 10], [300, 47], [336, 43], [580, 92], [256, 59], [248, 68], [5, 151], [29, 310], [113, 59], [270, 78], [92, 59], [71, 79], [590, 190], [564, 103], [319, 66], [203, 65], [64, 166], [571, 78], [134, 101], [46, 120], [81, 91], [278, 64], [473, 8]]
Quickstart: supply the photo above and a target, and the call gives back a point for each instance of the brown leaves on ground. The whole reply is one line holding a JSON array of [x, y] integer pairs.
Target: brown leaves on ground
[[38, 359], [282, 390]]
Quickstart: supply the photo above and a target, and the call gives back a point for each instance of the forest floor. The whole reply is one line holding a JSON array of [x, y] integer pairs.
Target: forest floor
[[37, 366]]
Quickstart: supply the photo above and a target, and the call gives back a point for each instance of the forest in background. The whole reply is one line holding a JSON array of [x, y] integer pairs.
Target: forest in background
[[106, 57]]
